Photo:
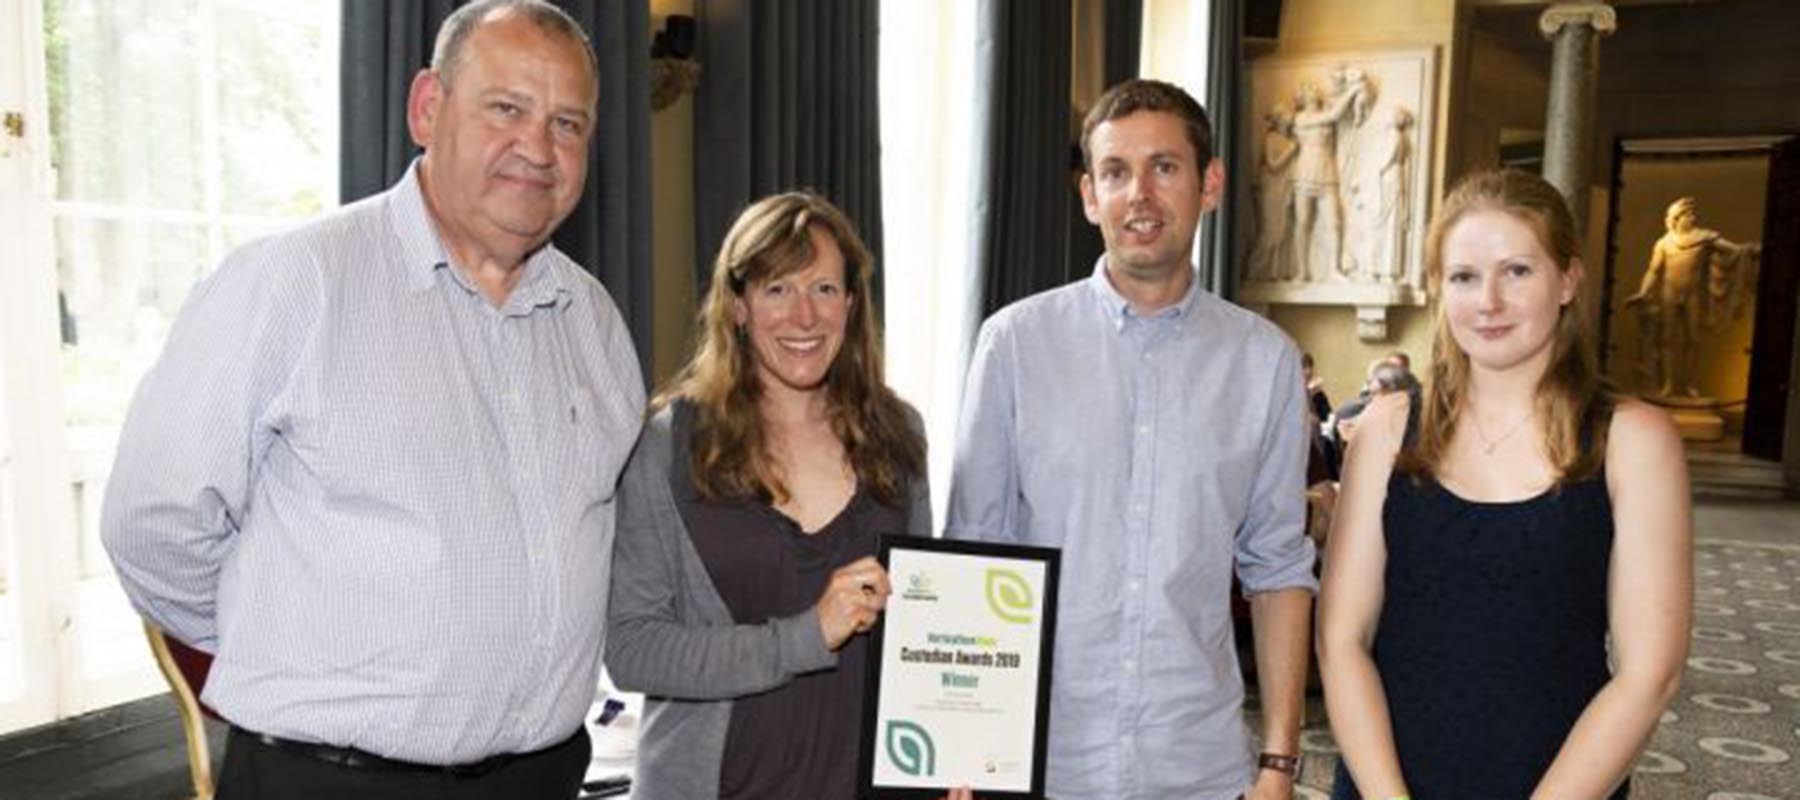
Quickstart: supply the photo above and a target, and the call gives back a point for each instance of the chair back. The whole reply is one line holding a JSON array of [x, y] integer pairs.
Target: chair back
[[185, 668]]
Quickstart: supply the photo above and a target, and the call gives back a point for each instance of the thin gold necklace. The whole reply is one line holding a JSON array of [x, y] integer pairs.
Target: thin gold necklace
[[1488, 446]]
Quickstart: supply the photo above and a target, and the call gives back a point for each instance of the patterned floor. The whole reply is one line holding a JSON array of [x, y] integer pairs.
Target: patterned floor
[[1734, 733]]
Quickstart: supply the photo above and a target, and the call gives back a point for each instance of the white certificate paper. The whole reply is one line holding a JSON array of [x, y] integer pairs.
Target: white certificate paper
[[962, 676]]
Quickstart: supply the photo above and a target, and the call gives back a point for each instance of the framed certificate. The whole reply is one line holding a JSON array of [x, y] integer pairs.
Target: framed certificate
[[959, 682]]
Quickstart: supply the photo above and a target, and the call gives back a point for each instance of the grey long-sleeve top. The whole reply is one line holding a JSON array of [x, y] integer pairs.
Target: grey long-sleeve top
[[670, 635]]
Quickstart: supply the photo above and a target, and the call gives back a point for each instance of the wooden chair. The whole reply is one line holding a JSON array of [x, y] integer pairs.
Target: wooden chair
[[185, 669]]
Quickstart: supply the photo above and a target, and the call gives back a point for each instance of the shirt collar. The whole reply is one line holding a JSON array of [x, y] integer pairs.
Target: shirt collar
[[411, 222], [423, 250], [1118, 309], [540, 283]]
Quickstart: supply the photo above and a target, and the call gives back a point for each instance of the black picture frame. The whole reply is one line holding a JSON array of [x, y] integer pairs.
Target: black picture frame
[[1051, 558]]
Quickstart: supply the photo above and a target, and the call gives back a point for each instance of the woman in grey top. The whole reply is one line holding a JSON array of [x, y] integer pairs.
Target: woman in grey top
[[744, 569]]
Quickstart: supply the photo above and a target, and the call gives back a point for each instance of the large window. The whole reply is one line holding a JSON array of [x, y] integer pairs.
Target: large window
[[928, 131], [180, 130], [177, 130]]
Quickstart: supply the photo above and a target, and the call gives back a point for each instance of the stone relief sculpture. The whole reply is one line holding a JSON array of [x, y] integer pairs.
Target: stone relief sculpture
[[1697, 282], [1393, 216], [1338, 191], [1316, 188], [1318, 207], [1271, 259]]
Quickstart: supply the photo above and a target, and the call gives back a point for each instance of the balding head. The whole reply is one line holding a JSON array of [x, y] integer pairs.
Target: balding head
[[453, 35]]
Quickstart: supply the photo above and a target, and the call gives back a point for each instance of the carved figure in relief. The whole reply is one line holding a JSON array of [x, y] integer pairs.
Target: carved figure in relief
[[1696, 282], [1393, 216], [1271, 259], [1354, 81], [1317, 207]]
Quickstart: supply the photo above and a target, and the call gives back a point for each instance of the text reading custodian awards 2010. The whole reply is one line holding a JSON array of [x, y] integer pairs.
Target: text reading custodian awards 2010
[[959, 689]]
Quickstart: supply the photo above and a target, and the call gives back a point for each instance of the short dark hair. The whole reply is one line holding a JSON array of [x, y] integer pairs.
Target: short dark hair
[[447, 51], [1141, 94], [1389, 377]]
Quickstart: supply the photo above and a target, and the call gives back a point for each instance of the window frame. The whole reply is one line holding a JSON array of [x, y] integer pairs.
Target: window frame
[[60, 590]]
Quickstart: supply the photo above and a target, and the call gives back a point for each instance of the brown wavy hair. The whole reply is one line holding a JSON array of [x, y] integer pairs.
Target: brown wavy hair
[[1573, 400], [730, 455]]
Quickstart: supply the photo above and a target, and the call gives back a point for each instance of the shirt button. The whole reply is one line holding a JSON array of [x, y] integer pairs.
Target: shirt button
[[1130, 663], [1143, 430]]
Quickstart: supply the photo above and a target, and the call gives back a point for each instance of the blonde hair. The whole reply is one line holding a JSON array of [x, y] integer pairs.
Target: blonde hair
[[1572, 399], [729, 452]]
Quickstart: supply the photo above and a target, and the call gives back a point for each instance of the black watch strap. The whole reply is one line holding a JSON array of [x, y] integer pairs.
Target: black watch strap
[[1288, 765]]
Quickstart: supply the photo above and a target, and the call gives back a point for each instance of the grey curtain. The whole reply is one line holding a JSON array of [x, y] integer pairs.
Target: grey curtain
[[386, 41], [1027, 171], [789, 100], [1124, 29], [1031, 232], [1218, 242]]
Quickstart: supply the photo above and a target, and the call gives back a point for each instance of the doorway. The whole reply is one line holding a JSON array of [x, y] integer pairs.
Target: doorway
[[1717, 353]]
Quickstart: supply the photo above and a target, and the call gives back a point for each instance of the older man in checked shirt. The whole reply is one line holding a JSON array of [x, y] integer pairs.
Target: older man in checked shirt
[[373, 471], [1156, 434]]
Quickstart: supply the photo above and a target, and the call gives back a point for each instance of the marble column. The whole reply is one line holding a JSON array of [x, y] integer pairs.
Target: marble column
[[1575, 28]]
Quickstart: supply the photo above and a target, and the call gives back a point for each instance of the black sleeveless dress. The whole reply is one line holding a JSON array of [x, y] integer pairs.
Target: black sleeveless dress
[[1492, 636]]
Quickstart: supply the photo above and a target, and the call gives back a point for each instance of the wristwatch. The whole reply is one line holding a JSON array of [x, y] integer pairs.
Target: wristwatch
[[1287, 765]]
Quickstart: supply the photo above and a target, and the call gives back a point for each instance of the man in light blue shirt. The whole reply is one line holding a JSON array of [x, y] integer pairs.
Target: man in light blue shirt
[[1156, 434], [373, 471]]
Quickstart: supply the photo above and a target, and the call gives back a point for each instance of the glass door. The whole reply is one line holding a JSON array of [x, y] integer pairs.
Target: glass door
[[157, 136], [32, 517]]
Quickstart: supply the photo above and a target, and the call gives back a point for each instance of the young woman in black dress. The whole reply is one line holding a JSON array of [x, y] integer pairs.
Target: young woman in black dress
[[1473, 580]]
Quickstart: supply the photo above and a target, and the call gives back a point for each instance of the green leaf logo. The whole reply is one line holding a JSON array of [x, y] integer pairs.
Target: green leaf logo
[[1009, 596], [910, 748]]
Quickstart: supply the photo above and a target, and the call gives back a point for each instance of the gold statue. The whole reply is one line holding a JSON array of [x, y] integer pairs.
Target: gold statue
[[1697, 281]]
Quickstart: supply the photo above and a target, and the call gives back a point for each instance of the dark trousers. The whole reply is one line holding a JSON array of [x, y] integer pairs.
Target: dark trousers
[[254, 770]]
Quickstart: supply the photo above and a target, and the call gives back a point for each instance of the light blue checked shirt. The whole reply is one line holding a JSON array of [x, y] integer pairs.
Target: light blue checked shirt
[[384, 503], [1158, 452]]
